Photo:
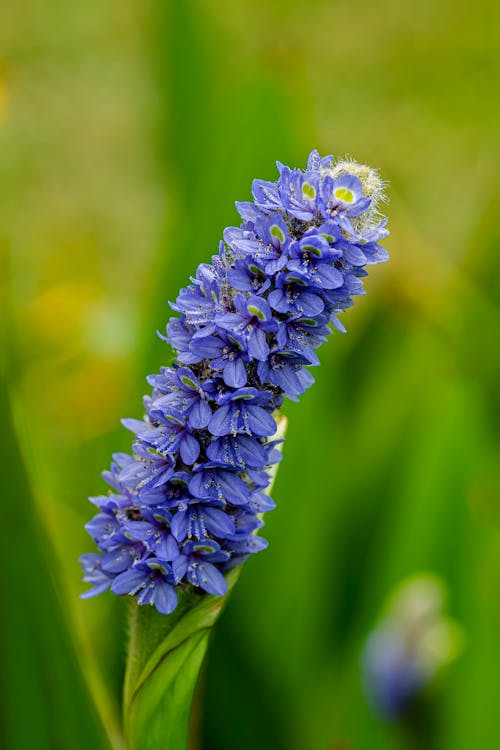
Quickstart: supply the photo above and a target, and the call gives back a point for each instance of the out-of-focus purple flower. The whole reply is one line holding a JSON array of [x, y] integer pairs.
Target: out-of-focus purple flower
[[409, 647]]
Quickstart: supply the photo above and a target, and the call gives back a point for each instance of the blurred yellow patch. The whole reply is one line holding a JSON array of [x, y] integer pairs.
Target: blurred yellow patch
[[3, 99], [90, 399], [57, 314], [76, 319], [77, 403]]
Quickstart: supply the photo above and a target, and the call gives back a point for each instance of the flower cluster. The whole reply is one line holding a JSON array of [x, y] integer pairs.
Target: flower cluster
[[186, 505]]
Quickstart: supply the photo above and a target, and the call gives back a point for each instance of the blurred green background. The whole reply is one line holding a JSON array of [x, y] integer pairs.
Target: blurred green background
[[127, 132]]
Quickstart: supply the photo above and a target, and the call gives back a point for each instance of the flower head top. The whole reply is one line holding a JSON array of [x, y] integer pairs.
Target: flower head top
[[185, 506]]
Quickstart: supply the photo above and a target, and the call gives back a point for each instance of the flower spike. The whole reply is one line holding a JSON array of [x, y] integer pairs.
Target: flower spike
[[186, 505]]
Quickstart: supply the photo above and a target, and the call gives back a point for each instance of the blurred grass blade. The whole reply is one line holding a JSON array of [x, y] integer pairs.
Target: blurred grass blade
[[44, 702]]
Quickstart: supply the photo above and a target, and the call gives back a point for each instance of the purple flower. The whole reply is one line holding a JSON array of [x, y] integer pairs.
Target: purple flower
[[155, 535], [179, 335], [271, 244], [398, 662], [93, 573], [186, 504], [248, 276], [343, 196], [252, 320], [313, 258], [199, 301], [302, 337], [124, 553], [300, 192], [226, 353], [200, 521], [146, 468], [168, 433], [197, 564], [243, 412], [238, 451], [180, 389], [151, 582], [213, 482], [285, 370], [295, 296]]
